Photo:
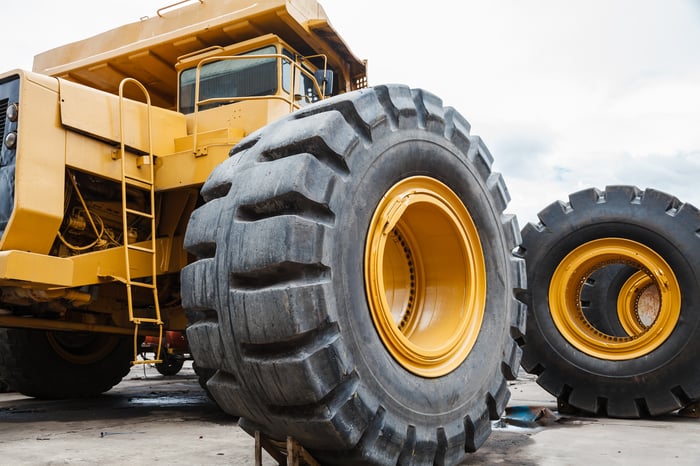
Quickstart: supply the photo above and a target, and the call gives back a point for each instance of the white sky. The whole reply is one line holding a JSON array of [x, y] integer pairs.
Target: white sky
[[566, 94]]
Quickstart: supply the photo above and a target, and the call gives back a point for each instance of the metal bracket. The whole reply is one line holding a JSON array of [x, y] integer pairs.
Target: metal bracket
[[289, 453]]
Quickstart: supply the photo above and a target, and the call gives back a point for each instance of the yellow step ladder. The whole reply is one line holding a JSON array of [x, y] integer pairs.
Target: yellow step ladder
[[145, 181]]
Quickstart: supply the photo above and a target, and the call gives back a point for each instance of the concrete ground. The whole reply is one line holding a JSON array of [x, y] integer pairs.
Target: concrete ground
[[151, 419]]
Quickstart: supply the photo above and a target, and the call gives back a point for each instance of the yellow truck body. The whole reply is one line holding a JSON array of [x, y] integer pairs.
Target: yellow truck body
[[71, 125]]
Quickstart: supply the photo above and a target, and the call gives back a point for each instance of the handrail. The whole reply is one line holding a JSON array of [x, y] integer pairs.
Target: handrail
[[224, 100], [143, 89], [325, 70], [174, 5], [211, 48], [291, 101]]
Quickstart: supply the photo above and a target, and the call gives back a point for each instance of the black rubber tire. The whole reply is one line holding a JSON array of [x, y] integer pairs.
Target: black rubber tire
[[4, 386], [203, 375], [664, 380], [599, 298], [170, 366], [280, 243], [33, 367]]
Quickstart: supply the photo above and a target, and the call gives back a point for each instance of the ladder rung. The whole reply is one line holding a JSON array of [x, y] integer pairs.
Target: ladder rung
[[149, 286], [139, 184], [147, 320], [139, 248], [123, 280], [139, 179], [146, 361], [139, 212]]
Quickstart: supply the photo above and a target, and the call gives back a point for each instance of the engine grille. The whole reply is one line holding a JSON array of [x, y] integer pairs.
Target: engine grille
[[3, 114]]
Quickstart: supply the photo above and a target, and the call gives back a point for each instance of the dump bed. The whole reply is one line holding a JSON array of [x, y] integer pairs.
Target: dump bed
[[149, 49]]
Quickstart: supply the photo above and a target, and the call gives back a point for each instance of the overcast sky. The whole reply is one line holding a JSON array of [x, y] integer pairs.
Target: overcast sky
[[566, 94]]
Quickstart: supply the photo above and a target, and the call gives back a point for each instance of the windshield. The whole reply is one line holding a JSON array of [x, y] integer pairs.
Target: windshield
[[241, 77]]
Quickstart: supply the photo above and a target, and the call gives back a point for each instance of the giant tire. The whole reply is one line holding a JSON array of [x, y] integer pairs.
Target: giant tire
[[652, 368], [57, 365], [4, 386], [282, 242]]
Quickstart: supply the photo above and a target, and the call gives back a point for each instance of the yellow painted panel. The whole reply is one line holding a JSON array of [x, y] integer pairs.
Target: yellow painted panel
[[86, 269], [97, 113], [99, 266], [35, 268], [219, 129], [39, 176], [185, 170], [93, 156]]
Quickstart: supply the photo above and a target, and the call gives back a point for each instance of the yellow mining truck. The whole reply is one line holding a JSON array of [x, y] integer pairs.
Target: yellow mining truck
[[338, 253]]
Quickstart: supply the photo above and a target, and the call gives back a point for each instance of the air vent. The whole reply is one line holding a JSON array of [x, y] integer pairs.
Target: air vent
[[3, 114]]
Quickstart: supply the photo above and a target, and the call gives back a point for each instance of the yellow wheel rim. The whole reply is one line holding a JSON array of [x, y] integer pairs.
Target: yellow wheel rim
[[638, 303], [425, 276], [653, 286]]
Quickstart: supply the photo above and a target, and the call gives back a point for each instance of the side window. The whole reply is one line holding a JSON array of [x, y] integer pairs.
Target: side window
[[287, 71], [308, 84], [303, 85]]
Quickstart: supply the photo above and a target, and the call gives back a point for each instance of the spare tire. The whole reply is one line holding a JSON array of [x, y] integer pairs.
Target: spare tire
[[356, 275], [646, 363]]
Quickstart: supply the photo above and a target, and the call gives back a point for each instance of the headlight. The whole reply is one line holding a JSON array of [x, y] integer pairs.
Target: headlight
[[13, 112], [11, 140]]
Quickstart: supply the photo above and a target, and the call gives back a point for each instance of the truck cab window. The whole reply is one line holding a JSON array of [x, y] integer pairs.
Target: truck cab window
[[303, 84], [241, 77]]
